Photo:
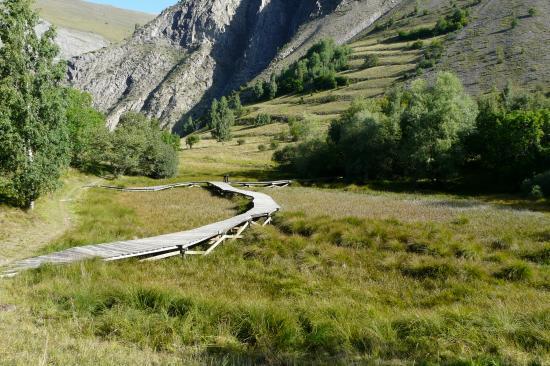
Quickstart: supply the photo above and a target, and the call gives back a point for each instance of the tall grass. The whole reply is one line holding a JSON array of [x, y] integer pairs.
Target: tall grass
[[312, 290]]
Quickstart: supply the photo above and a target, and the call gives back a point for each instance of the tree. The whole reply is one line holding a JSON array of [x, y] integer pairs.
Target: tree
[[192, 140], [189, 126], [84, 124], [222, 119], [236, 105], [259, 90], [271, 88], [34, 139], [434, 124]]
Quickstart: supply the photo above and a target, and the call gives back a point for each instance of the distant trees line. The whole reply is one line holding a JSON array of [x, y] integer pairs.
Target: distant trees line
[[435, 131], [46, 127]]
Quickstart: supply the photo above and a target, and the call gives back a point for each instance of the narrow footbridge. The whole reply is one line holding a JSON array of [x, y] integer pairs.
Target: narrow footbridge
[[164, 246]]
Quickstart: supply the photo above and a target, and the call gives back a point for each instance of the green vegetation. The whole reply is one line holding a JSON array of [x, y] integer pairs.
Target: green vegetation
[[317, 70], [222, 118], [262, 119], [192, 140], [34, 143], [432, 132], [450, 23]]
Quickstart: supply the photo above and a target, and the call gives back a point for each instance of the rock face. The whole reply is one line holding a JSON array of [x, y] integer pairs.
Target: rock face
[[72, 42], [201, 49]]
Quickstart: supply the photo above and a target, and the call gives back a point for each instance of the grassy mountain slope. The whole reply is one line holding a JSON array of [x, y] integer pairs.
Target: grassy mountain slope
[[112, 23], [471, 53]]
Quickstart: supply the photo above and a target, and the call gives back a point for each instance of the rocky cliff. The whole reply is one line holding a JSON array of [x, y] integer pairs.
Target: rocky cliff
[[201, 49]]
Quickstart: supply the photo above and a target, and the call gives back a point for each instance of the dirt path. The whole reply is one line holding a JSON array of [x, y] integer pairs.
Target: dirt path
[[22, 232]]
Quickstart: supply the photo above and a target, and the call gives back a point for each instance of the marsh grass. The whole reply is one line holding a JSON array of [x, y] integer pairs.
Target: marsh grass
[[305, 291]]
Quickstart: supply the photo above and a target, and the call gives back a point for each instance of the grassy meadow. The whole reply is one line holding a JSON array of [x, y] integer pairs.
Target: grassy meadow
[[346, 274]]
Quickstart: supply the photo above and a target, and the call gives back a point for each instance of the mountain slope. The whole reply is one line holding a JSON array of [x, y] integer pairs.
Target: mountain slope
[[111, 23], [200, 49]]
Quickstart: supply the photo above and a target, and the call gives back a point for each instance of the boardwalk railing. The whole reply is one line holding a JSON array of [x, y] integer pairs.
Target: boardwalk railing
[[169, 245]]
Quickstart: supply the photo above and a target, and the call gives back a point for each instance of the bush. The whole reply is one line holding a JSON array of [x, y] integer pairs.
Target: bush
[[371, 61], [137, 147], [262, 119], [417, 45], [262, 147], [533, 12], [241, 142], [192, 141], [299, 129], [274, 145], [538, 186]]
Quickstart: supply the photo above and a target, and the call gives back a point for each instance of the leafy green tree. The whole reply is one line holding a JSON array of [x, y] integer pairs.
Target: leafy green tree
[[259, 90], [434, 124], [140, 147], [222, 119], [236, 105], [189, 126], [192, 140], [84, 123], [271, 88], [34, 139]]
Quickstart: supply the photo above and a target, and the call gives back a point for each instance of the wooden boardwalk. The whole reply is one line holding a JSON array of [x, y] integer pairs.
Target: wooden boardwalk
[[165, 246]]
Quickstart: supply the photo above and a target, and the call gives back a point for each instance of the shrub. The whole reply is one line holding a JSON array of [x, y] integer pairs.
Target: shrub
[[500, 54], [241, 142], [141, 147], [417, 45], [262, 147], [262, 119], [192, 141], [533, 12], [274, 145], [299, 129], [514, 22], [371, 61], [538, 186]]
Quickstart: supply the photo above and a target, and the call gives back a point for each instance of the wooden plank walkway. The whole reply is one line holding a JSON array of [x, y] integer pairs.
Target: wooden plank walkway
[[164, 246]]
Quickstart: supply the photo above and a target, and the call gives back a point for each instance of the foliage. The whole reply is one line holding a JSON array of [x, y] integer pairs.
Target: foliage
[[222, 118], [241, 142], [192, 140], [539, 185], [412, 133], [371, 60], [433, 125], [417, 45], [189, 126], [450, 23], [315, 71], [299, 130], [512, 141], [533, 12], [34, 138], [85, 125], [431, 55], [262, 119], [236, 105]]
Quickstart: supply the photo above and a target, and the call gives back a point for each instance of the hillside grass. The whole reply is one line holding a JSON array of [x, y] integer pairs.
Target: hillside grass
[[112, 23]]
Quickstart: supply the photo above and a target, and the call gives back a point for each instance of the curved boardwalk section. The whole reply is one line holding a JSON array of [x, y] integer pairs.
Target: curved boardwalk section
[[164, 246]]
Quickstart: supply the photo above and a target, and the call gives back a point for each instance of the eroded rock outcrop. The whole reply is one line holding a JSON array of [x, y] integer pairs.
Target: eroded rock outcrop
[[201, 49]]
